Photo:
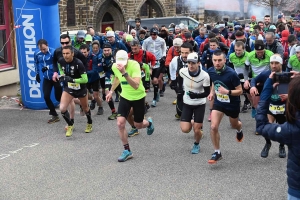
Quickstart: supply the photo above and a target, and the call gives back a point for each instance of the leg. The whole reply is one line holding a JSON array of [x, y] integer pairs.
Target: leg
[[47, 88], [86, 109]]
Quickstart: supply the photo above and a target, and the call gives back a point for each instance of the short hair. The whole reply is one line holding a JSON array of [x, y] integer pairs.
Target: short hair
[[281, 27], [84, 46], [239, 33], [211, 35], [291, 38], [41, 42], [239, 44], [267, 16], [64, 36], [270, 34], [293, 102], [219, 52], [135, 42], [69, 47], [188, 46], [142, 31], [214, 40], [260, 42]]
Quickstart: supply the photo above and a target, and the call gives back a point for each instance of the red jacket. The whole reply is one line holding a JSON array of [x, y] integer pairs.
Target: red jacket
[[150, 58]]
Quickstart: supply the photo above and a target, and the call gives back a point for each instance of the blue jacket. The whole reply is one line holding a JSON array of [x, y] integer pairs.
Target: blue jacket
[[199, 40], [106, 63], [44, 60], [286, 133], [118, 44], [93, 74]]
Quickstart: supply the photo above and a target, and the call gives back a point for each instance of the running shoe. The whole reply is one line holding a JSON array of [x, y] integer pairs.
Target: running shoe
[[93, 104], [195, 149], [69, 131], [245, 107], [239, 136], [113, 116], [253, 113], [177, 116], [265, 152], [133, 132], [161, 93], [125, 156], [174, 102], [150, 129], [153, 103], [53, 119], [89, 128], [100, 111], [215, 158], [282, 153]]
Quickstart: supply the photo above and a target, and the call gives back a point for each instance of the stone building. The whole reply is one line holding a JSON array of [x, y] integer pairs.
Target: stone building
[[78, 14]]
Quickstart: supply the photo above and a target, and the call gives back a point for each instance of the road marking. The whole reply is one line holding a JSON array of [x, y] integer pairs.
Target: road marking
[[3, 156]]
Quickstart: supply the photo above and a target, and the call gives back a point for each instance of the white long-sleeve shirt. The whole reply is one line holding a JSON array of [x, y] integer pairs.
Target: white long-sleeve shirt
[[157, 47], [173, 67]]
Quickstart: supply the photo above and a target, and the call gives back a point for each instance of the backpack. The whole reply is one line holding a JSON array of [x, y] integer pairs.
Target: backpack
[[144, 58]]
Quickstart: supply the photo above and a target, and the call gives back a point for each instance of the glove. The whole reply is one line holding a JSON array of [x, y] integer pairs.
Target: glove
[[66, 79], [147, 85], [180, 92], [44, 69], [37, 78], [193, 95], [173, 85]]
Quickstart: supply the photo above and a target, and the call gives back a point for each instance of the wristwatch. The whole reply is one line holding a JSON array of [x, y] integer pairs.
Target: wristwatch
[[229, 93], [125, 74]]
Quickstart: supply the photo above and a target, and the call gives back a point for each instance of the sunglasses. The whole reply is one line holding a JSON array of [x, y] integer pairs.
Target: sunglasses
[[64, 43]]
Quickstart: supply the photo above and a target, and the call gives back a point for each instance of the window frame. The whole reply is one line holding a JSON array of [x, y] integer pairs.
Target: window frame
[[73, 9], [6, 27]]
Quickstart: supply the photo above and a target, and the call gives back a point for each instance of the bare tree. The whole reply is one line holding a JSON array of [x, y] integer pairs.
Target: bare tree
[[272, 4], [242, 8]]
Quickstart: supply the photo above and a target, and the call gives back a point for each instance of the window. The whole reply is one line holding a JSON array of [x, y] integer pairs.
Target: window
[[107, 18], [179, 6], [144, 10], [5, 51], [71, 13]]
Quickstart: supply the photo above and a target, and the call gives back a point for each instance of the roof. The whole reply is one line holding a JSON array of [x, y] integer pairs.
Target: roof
[[224, 5]]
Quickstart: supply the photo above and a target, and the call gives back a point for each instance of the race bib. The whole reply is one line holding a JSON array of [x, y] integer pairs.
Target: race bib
[[107, 81], [143, 74], [277, 109], [102, 74], [222, 97], [74, 86], [157, 65]]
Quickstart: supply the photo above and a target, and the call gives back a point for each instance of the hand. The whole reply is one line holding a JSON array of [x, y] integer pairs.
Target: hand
[[271, 75], [193, 95], [37, 78], [283, 97], [108, 96], [121, 68], [55, 77], [66, 79], [295, 74], [246, 85], [210, 97], [44, 69], [253, 91], [222, 90]]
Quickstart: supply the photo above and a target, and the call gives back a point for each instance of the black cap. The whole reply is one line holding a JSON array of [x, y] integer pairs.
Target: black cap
[[216, 31], [154, 30], [187, 35], [106, 45]]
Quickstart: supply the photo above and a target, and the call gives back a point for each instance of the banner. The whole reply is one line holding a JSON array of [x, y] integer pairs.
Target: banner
[[38, 19]]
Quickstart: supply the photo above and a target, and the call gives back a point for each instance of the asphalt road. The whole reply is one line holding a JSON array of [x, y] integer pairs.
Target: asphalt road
[[37, 161]]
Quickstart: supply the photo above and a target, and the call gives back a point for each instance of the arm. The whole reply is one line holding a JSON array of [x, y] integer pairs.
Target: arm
[[172, 68], [280, 51], [151, 58], [169, 57], [82, 80], [36, 66], [200, 95], [164, 48], [55, 68]]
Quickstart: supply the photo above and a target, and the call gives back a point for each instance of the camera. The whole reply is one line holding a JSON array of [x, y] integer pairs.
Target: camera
[[284, 77]]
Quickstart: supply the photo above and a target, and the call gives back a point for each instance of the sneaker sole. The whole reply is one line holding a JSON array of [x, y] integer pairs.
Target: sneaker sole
[[214, 161], [52, 122], [133, 134], [88, 131], [129, 157]]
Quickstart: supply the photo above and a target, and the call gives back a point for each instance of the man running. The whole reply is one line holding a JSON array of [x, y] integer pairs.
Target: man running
[[196, 83], [226, 87], [43, 62], [128, 73], [74, 78]]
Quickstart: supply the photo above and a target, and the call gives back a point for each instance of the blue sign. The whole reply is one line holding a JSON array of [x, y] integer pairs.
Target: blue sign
[[36, 22]]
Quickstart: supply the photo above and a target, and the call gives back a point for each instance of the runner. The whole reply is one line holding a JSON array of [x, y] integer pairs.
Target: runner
[[128, 74], [157, 46], [226, 87], [277, 102], [196, 83], [74, 78], [43, 62]]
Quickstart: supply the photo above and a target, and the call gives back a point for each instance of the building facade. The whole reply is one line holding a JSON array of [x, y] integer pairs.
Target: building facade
[[78, 14]]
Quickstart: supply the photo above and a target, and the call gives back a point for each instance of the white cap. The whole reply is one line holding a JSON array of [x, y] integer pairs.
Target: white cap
[[110, 34], [297, 48], [177, 42], [121, 57], [193, 57], [276, 58]]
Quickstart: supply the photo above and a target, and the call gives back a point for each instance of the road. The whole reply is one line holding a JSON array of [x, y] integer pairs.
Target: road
[[37, 161]]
